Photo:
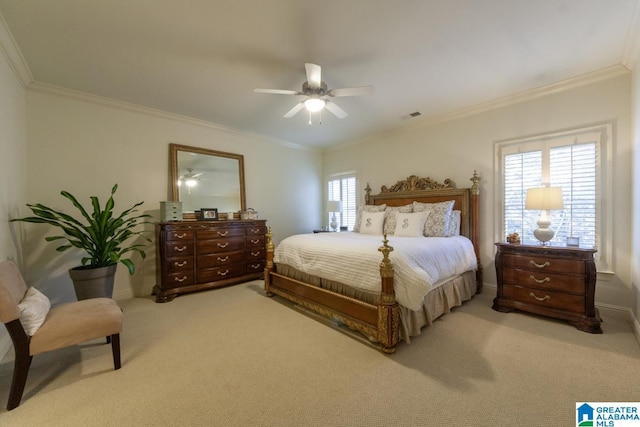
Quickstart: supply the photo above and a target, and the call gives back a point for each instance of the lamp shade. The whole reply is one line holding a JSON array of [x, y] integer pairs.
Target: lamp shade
[[334, 206], [544, 198]]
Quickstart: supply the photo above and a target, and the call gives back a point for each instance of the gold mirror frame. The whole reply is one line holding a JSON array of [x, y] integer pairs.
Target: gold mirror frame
[[175, 168]]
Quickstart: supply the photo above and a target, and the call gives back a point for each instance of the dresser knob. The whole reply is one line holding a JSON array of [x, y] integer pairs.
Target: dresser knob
[[223, 245], [180, 249], [255, 253], [181, 279], [180, 264], [223, 273], [223, 259], [255, 266], [538, 298], [254, 230], [255, 241], [546, 264], [540, 281], [223, 233]]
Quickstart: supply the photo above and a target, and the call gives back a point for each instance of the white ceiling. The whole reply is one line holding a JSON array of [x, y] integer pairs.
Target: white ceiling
[[203, 58]]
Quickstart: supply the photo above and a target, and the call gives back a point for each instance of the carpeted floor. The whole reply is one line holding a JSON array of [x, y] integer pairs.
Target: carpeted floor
[[233, 357]]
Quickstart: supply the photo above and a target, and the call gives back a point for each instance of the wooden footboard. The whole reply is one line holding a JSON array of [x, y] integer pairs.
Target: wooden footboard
[[379, 323]]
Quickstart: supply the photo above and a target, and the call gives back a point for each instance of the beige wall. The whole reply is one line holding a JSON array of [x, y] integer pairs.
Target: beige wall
[[455, 148], [85, 145], [635, 188], [12, 167]]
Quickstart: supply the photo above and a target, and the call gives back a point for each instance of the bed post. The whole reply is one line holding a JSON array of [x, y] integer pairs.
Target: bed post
[[388, 310], [269, 265], [475, 226]]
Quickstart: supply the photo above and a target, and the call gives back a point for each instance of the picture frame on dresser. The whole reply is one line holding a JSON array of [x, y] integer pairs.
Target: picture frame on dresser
[[208, 214]]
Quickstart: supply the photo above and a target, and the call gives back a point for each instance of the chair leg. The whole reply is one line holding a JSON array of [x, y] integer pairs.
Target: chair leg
[[20, 372], [115, 349]]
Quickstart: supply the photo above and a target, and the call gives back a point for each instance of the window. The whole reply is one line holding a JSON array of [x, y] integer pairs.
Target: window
[[342, 187], [573, 160]]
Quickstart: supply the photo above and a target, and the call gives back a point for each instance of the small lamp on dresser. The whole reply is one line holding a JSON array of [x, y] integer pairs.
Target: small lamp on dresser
[[544, 199], [334, 206]]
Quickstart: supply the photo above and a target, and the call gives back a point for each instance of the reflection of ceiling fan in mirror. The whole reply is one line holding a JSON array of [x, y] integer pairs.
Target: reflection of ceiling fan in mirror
[[317, 95], [190, 179]]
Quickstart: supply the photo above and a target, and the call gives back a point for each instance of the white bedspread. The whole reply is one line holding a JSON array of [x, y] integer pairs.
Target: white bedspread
[[419, 263]]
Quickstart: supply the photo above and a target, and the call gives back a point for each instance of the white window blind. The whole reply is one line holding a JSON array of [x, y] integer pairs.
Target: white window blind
[[343, 188], [572, 160]]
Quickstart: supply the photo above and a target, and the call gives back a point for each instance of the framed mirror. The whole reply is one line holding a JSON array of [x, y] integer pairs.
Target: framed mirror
[[202, 178]]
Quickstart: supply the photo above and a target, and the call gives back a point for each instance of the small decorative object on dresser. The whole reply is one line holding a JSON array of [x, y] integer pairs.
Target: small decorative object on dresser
[[208, 214], [552, 281], [198, 255]]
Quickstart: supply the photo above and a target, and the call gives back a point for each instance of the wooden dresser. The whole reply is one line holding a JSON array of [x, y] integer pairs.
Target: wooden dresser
[[197, 255], [552, 281]]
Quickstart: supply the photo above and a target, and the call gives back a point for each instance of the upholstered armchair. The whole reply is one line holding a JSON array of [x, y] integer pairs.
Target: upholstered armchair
[[35, 327]]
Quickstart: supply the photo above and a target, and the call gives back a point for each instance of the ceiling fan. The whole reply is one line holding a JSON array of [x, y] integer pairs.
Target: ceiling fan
[[317, 95]]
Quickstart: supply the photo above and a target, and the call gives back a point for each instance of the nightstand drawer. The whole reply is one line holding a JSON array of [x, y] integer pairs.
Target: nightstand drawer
[[544, 280], [545, 298], [544, 264]]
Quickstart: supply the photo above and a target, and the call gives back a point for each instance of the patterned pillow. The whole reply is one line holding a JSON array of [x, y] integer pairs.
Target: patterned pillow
[[454, 224], [437, 224], [371, 222], [33, 310], [410, 224], [366, 208], [390, 217]]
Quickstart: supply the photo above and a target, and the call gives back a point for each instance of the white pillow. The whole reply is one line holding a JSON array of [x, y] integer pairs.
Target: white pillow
[[33, 310], [366, 208], [454, 224], [410, 224], [371, 222]]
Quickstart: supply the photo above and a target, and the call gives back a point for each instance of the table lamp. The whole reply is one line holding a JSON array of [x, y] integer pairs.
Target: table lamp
[[334, 206], [544, 199]]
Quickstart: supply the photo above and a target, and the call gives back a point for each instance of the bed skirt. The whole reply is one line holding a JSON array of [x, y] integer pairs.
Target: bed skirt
[[440, 300]]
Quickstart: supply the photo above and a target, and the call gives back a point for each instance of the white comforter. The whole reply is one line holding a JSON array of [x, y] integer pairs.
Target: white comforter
[[419, 263]]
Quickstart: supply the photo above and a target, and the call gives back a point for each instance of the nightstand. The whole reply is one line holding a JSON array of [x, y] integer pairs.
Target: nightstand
[[553, 281]]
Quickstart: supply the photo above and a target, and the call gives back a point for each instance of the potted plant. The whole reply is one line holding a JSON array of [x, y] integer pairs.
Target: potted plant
[[104, 237]]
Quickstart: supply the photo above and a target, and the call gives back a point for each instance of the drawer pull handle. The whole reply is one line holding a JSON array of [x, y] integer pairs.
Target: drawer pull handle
[[223, 259], [255, 253], [180, 264], [180, 236], [254, 230], [223, 245], [255, 241], [223, 233], [546, 264], [538, 298], [180, 249], [181, 279], [223, 273], [255, 266], [540, 281]]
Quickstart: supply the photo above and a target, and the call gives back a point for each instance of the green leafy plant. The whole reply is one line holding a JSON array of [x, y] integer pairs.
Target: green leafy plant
[[102, 235]]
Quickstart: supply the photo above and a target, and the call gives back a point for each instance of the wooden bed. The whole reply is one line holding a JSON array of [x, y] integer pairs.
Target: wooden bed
[[379, 320]]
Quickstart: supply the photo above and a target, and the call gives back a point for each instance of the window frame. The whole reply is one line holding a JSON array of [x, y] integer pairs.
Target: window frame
[[341, 176], [604, 134]]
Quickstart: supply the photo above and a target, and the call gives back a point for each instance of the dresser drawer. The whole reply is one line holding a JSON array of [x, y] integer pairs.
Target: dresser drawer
[[255, 241], [217, 233], [220, 245], [214, 274], [177, 265], [544, 280], [256, 254], [545, 298], [545, 264], [183, 278], [256, 230], [219, 260], [180, 235], [179, 249], [255, 267]]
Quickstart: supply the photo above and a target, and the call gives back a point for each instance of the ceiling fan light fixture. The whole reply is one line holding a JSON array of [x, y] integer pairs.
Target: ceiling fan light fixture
[[314, 104]]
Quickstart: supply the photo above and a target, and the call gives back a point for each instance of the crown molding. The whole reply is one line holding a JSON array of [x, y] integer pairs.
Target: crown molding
[[122, 105], [517, 98], [9, 48]]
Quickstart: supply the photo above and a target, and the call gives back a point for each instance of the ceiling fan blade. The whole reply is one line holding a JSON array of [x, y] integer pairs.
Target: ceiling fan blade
[[352, 91], [336, 110], [294, 110], [314, 75], [278, 91]]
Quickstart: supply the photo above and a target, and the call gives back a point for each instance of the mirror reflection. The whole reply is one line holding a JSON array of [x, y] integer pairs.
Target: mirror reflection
[[204, 178]]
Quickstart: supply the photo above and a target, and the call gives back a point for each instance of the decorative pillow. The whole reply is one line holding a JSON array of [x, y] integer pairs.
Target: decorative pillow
[[33, 310], [454, 224], [371, 222], [437, 224], [366, 208], [410, 224], [390, 216]]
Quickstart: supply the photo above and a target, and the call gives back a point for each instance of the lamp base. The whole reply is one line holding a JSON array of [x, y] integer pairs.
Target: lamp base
[[543, 232], [334, 222]]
